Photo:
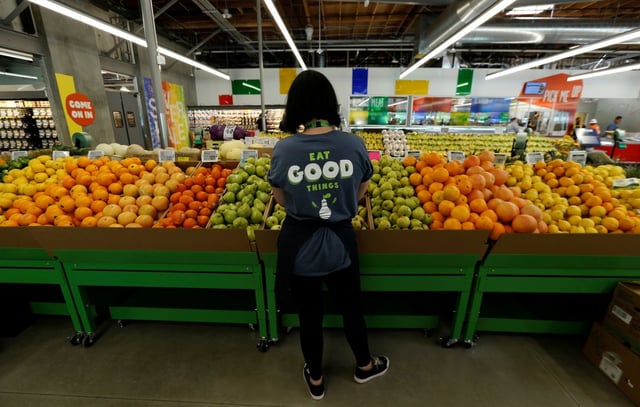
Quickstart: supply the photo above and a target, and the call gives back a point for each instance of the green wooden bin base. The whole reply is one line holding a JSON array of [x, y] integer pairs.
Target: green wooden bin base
[[533, 326], [49, 308], [373, 321], [182, 315]]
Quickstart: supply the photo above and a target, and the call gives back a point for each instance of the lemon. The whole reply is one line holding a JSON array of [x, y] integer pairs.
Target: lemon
[[554, 229], [30, 189], [40, 177], [44, 158], [564, 225], [5, 203], [590, 230]]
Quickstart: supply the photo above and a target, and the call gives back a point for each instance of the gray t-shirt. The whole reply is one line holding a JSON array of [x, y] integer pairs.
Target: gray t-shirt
[[320, 174]]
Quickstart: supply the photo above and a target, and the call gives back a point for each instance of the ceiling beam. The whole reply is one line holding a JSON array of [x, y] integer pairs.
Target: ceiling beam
[[15, 13]]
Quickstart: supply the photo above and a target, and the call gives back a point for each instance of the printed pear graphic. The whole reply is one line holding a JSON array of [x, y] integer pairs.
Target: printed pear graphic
[[325, 211]]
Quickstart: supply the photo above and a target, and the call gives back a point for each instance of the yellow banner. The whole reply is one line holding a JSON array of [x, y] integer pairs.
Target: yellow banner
[[287, 75], [415, 87], [67, 86]]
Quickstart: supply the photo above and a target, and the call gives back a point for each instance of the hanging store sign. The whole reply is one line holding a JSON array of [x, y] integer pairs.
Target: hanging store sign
[[412, 87], [359, 81], [80, 108], [465, 80]]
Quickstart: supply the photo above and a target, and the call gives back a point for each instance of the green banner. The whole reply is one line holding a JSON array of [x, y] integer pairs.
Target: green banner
[[246, 87], [465, 79], [378, 113]]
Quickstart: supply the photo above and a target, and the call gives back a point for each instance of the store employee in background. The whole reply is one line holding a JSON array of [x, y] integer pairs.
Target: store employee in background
[[613, 126], [513, 126], [319, 174], [593, 125]]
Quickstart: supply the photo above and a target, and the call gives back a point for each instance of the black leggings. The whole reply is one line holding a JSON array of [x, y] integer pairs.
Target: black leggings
[[344, 287]]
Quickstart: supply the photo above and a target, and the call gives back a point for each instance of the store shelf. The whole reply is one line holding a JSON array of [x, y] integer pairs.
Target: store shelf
[[26, 125], [242, 116]]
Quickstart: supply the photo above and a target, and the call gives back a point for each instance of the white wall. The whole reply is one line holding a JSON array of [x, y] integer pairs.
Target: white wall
[[442, 82]]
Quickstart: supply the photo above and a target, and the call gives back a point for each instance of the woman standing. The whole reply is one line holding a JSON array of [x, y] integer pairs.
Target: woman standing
[[319, 174]]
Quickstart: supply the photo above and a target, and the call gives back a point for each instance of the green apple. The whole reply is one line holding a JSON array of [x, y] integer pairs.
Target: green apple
[[403, 222]]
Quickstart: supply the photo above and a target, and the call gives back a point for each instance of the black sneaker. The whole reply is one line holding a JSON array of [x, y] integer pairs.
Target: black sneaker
[[316, 391], [380, 367]]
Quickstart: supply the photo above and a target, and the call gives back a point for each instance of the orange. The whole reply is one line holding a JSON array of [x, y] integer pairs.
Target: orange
[[116, 188], [464, 185], [409, 161], [67, 204], [432, 158], [189, 223], [146, 221], [429, 207], [524, 224], [477, 181], [440, 175], [415, 179], [98, 206], [478, 205], [497, 231], [471, 161], [461, 213], [82, 212], [451, 192], [484, 222], [452, 224], [506, 211], [44, 201], [445, 207], [106, 221], [160, 202], [424, 196]]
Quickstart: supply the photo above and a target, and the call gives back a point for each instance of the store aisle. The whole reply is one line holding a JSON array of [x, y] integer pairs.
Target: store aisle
[[171, 365]]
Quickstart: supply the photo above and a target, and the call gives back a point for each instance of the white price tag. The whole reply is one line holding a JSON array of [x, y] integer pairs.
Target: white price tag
[[17, 154], [609, 365], [228, 132], [533, 158], [59, 154], [622, 314], [415, 153], [249, 140], [246, 154], [500, 158], [95, 154], [209, 156], [166, 155], [455, 155], [578, 156]]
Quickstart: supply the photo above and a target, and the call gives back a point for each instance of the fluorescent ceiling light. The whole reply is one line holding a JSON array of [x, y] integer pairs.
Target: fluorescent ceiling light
[[397, 103], [285, 32], [363, 101], [616, 39], [18, 75], [483, 18], [250, 86], [16, 54], [602, 72], [101, 25], [529, 10]]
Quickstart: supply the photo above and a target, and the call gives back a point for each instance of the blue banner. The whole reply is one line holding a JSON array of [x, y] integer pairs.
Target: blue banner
[[359, 81], [152, 113], [490, 105]]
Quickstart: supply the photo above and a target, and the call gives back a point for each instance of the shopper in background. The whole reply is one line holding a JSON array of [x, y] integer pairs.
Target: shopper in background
[[613, 126], [259, 125], [577, 126], [593, 125], [319, 174], [513, 126]]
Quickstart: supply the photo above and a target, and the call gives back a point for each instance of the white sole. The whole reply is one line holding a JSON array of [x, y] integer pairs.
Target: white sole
[[362, 381], [311, 394]]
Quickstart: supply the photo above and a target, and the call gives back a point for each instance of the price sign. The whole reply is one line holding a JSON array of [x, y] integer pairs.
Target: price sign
[[166, 155], [59, 154], [533, 158], [500, 158], [17, 154], [578, 156], [209, 156], [456, 155], [415, 153], [249, 140], [246, 154], [228, 132], [375, 154], [95, 154]]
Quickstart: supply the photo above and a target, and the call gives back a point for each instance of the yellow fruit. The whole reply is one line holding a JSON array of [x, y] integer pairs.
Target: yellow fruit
[[574, 210], [610, 223]]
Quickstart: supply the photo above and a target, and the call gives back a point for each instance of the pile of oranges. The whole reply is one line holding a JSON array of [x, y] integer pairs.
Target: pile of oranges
[[471, 195], [101, 192], [194, 200]]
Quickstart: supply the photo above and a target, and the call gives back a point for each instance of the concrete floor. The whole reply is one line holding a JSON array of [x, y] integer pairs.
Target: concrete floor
[[160, 364]]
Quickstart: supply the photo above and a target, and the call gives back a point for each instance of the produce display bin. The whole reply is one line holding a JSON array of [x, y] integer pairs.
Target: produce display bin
[[396, 262], [557, 271], [160, 260], [24, 261]]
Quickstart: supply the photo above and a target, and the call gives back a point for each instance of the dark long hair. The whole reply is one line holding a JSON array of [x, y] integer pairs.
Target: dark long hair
[[311, 97]]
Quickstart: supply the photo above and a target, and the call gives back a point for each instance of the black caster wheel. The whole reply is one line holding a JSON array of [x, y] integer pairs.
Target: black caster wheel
[[273, 342], [288, 329], [121, 323], [89, 340], [448, 342], [77, 338], [470, 343], [252, 327], [262, 345]]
